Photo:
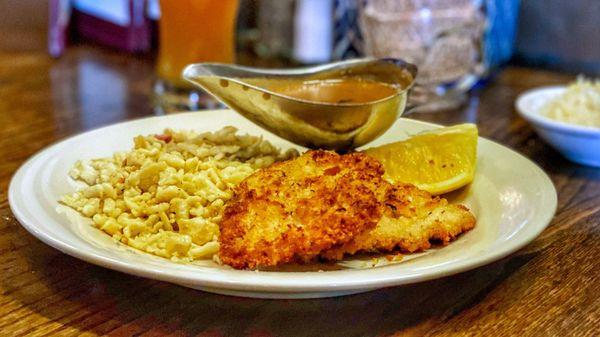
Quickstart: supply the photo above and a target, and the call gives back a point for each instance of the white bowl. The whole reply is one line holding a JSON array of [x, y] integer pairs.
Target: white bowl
[[577, 143]]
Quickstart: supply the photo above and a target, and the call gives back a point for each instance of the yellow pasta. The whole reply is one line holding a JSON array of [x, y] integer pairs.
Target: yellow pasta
[[166, 196]]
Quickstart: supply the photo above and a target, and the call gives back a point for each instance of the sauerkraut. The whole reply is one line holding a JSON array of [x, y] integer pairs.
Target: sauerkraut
[[579, 104]]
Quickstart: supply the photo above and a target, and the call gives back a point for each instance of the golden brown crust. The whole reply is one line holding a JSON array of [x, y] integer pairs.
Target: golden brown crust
[[411, 220], [293, 210]]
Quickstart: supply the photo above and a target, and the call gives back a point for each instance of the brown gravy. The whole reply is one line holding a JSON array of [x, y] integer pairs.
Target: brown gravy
[[339, 91]]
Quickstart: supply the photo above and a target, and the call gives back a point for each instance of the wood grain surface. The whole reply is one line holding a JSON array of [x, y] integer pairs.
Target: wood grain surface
[[549, 288]]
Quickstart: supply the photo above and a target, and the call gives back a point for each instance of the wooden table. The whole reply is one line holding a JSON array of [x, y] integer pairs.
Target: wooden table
[[550, 288]]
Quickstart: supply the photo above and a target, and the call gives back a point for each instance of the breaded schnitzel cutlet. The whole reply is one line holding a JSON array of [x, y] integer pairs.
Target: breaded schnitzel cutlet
[[412, 218], [296, 209]]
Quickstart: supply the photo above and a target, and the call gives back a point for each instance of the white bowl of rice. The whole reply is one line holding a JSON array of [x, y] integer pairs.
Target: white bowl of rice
[[567, 117]]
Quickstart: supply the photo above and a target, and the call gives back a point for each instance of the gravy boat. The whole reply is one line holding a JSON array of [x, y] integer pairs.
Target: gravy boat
[[337, 126]]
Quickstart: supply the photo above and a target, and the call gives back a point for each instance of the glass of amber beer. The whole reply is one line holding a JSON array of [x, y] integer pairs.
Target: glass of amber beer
[[192, 31]]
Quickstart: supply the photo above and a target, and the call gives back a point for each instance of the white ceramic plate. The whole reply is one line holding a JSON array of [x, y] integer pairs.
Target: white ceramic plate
[[511, 197], [576, 142]]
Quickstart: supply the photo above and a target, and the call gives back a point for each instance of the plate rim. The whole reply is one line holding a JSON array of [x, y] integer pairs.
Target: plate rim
[[274, 284]]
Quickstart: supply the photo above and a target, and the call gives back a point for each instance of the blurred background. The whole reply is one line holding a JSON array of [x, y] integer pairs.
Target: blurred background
[[458, 45]]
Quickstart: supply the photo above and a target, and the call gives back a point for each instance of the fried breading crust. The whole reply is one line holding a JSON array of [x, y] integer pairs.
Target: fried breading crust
[[412, 218], [293, 210]]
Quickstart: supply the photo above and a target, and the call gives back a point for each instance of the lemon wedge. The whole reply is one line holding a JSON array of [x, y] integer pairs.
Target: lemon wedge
[[437, 161]]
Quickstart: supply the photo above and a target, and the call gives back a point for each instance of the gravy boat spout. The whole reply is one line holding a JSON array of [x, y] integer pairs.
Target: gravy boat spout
[[354, 117]]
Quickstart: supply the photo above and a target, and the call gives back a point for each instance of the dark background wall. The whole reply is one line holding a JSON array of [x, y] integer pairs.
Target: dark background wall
[[561, 34]]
